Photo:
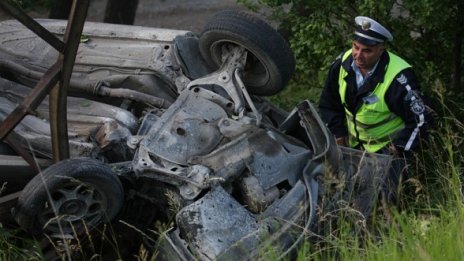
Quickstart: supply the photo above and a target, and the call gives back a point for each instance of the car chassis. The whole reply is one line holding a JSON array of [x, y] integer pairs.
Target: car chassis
[[238, 174]]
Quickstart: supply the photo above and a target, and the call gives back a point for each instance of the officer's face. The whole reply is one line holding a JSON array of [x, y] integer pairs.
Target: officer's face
[[366, 56]]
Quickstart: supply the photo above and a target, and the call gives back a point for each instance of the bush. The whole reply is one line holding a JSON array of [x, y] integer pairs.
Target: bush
[[320, 30]]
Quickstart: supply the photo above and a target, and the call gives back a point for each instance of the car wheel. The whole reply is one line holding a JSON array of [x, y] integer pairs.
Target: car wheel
[[270, 62], [69, 197]]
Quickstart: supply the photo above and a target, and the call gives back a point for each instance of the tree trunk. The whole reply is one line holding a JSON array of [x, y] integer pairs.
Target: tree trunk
[[120, 11], [459, 34], [60, 9]]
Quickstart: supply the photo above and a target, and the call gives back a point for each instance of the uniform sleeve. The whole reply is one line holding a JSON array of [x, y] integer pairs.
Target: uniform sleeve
[[330, 105], [405, 100]]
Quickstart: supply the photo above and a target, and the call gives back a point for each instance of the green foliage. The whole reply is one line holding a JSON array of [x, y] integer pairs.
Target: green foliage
[[13, 247], [426, 33], [409, 237], [412, 237], [443, 164]]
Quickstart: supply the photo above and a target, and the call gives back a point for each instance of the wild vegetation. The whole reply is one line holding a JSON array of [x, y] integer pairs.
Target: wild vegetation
[[319, 31], [427, 223]]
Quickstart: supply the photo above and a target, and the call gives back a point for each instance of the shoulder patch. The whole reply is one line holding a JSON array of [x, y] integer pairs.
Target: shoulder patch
[[415, 102], [402, 79], [417, 106]]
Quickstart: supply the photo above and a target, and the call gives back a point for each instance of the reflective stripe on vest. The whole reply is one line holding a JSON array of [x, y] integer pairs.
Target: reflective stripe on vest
[[373, 125]]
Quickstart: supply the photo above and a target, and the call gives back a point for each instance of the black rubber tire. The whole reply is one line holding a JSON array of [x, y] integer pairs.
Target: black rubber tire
[[270, 61], [84, 192]]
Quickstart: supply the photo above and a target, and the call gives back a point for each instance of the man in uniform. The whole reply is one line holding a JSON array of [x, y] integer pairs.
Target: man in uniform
[[371, 99]]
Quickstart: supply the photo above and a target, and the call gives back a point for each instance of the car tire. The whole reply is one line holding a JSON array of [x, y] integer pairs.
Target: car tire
[[70, 197], [270, 62]]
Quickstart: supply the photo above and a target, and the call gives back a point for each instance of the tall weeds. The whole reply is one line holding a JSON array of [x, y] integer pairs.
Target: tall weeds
[[14, 247], [428, 221]]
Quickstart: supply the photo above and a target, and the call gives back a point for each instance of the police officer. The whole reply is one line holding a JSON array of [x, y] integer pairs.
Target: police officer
[[371, 99]]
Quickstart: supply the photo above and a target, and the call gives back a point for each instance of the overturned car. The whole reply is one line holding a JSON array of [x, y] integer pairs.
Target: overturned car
[[167, 126]]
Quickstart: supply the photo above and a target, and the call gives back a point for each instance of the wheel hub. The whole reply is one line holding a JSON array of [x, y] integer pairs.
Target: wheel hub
[[73, 207]]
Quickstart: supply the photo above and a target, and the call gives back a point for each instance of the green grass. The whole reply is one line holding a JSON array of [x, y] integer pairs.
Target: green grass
[[13, 246], [428, 221], [410, 237], [432, 237], [297, 91]]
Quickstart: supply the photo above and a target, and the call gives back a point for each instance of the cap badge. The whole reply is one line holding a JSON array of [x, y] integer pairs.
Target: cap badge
[[365, 25]]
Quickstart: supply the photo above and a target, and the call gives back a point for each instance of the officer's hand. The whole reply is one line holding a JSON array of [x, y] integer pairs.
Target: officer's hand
[[342, 141], [392, 150]]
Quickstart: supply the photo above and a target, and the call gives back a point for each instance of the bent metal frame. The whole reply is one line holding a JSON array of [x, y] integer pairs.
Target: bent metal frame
[[54, 83]]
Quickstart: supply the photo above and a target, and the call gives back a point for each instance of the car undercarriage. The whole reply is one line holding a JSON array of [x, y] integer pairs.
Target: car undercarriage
[[166, 126]]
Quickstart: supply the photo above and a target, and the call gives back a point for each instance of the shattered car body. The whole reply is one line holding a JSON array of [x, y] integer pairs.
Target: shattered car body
[[165, 124]]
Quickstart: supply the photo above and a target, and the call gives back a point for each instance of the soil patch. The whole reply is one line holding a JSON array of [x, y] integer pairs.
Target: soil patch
[[175, 14]]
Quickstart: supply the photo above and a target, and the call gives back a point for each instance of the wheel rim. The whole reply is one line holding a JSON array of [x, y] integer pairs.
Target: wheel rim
[[74, 206], [255, 73]]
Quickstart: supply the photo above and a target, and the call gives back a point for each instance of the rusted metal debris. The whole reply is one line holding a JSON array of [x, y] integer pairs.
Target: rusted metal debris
[[60, 73]]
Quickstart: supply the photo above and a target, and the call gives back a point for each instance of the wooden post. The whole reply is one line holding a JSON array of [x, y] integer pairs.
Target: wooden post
[[120, 11]]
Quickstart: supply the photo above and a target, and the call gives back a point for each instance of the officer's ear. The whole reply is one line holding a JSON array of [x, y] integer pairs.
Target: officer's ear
[[381, 47]]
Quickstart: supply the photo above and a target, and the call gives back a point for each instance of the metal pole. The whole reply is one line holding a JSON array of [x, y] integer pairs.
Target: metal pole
[[60, 72], [14, 10], [58, 96], [31, 101]]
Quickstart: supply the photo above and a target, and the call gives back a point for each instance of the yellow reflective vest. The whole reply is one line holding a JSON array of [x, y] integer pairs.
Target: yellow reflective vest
[[373, 125]]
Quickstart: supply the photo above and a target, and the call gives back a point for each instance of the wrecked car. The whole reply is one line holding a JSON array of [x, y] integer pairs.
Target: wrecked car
[[165, 125]]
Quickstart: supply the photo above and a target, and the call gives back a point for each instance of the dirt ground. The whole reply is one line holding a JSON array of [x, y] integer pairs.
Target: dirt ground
[[176, 14]]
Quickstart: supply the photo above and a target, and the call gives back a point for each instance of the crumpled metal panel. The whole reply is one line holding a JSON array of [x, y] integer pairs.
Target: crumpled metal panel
[[105, 51], [216, 227], [138, 44], [80, 111], [276, 159], [188, 128], [111, 133], [254, 196], [267, 155], [84, 118], [306, 125], [290, 206], [368, 173], [215, 222], [279, 226], [34, 134]]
